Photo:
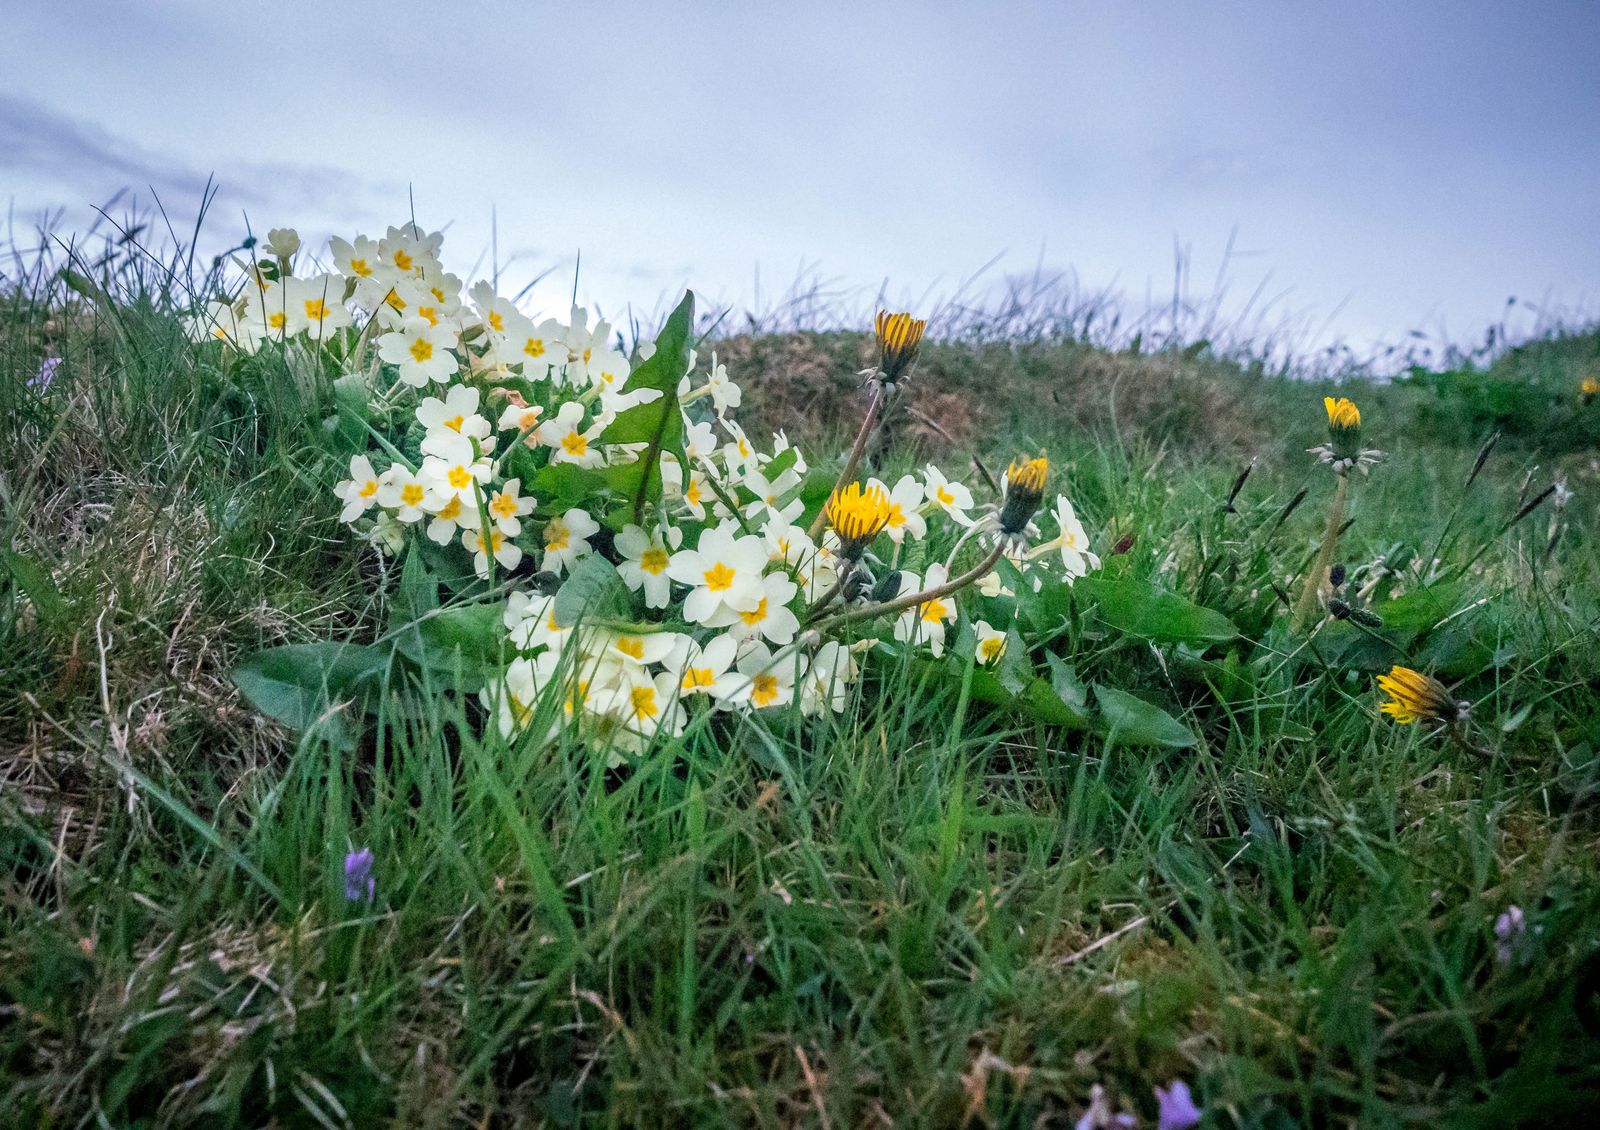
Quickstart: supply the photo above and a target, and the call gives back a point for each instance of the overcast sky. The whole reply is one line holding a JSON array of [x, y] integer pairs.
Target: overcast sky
[[1386, 166]]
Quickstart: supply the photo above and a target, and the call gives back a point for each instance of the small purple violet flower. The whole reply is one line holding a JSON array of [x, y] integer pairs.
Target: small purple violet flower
[[359, 883], [1176, 1109], [1509, 930], [47, 372]]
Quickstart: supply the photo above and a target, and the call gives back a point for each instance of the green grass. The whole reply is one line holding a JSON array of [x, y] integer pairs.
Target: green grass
[[925, 911]]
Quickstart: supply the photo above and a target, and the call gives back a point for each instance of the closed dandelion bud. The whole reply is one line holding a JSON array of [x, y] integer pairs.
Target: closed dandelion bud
[[1344, 427], [1366, 618], [888, 587], [857, 515], [1336, 575], [1339, 610], [1415, 697], [899, 340], [1124, 544], [1024, 488]]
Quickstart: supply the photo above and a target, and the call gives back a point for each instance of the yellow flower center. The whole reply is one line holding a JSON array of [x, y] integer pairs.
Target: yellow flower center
[[402, 260], [654, 561], [459, 477], [756, 616], [421, 349], [451, 510], [496, 322], [631, 646], [989, 650], [697, 677], [933, 611], [643, 700], [411, 494], [528, 420], [429, 314], [359, 267], [504, 505], [277, 321], [557, 536], [575, 443], [764, 691], [534, 347], [719, 578], [692, 495], [369, 488], [944, 496], [316, 309]]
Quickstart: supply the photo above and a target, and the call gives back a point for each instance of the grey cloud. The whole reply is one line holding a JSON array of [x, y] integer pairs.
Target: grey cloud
[[62, 153]]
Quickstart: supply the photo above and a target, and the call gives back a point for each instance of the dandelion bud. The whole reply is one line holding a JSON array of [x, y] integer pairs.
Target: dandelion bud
[[1590, 388], [1344, 427], [857, 515], [1024, 488], [1339, 610], [1415, 697], [888, 587], [1336, 575], [1124, 544], [899, 340], [1366, 618]]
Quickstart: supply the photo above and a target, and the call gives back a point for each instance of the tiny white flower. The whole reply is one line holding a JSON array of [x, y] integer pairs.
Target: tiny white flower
[[568, 440], [951, 497], [404, 493], [991, 643], [359, 492], [724, 571], [422, 352], [283, 242], [450, 512], [566, 539], [483, 543], [644, 563], [507, 507]]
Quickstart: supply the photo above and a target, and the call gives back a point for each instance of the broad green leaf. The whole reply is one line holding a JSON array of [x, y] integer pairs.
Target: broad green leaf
[[298, 684], [660, 422], [418, 591], [34, 580], [1129, 719], [1139, 609], [593, 590]]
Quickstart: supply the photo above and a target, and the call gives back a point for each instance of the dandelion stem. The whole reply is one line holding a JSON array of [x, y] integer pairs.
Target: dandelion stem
[[901, 603], [1307, 603], [848, 475]]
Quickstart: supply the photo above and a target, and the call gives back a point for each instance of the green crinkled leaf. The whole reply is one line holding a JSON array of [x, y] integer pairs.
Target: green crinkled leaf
[[658, 423], [560, 485], [1130, 719], [593, 590], [299, 684], [1139, 609]]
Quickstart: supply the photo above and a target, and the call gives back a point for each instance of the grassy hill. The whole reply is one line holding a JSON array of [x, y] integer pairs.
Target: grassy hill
[[933, 910]]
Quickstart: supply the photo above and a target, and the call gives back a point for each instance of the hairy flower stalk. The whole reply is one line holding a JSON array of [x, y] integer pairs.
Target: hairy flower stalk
[[899, 342], [1343, 453]]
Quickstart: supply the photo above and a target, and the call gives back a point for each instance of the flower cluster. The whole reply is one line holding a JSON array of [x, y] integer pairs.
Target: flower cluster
[[516, 443]]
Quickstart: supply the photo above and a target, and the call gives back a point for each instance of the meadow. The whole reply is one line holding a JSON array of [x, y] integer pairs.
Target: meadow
[[1164, 833]]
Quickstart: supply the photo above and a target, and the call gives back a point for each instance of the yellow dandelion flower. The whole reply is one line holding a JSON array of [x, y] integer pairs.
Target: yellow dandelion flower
[[1024, 488], [1415, 697], [1342, 412], [858, 515], [1590, 387], [899, 339]]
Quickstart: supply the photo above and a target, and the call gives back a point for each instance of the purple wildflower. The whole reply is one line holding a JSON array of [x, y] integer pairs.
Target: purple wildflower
[[1176, 1109], [359, 883], [47, 372], [1509, 929]]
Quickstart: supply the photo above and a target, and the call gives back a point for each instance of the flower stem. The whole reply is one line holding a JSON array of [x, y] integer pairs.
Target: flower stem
[[848, 475], [1307, 604], [901, 603]]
